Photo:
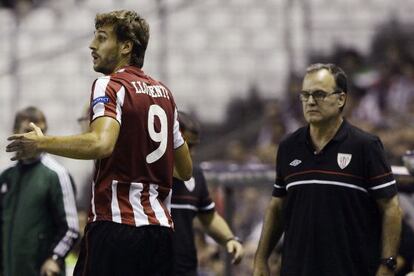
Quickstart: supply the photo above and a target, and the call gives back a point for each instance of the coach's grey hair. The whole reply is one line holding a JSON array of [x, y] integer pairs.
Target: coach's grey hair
[[341, 80]]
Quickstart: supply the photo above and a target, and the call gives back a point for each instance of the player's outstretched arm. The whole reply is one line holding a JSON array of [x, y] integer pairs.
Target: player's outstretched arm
[[219, 230], [98, 143], [271, 233], [183, 165]]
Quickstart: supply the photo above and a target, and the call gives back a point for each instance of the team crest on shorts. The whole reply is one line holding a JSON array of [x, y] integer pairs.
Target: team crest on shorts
[[190, 184], [344, 159]]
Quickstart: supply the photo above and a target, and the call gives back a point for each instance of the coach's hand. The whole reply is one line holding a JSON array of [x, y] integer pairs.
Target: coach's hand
[[261, 268], [25, 145], [235, 248], [50, 268]]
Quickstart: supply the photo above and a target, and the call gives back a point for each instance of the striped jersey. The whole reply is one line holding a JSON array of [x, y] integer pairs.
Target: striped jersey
[[133, 185], [331, 218]]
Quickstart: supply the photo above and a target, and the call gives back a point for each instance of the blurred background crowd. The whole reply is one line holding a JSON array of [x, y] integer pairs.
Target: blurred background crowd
[[237, 66]]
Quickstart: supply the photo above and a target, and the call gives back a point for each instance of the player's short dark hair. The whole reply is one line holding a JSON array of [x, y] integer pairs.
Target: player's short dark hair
[[128, 25], [188, 123], [341, 80], [31, 114]]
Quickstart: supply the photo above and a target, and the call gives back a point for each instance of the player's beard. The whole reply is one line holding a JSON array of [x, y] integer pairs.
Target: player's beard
[[107, 65]]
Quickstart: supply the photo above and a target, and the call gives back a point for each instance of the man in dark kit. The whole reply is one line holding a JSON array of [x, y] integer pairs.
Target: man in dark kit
[[335, 197], [191, 199]]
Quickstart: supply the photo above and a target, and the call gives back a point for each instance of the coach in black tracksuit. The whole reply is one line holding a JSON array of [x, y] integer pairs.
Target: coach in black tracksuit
[[334, 196]]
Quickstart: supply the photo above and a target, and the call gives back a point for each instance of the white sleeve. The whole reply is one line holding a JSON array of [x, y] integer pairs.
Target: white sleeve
[[178, 138], [107, 99]]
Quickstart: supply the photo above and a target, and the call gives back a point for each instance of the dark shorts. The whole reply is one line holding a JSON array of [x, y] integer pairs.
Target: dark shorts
[[113, 249]]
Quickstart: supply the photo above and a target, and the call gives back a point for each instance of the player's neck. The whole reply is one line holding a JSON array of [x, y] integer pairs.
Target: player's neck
[[122, 63]]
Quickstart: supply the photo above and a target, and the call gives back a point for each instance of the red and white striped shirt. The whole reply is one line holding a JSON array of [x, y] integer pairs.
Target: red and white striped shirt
[[133, 185]]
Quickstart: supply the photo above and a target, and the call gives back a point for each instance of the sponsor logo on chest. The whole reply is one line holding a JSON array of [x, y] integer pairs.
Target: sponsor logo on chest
[[343, 159], [295, 162]]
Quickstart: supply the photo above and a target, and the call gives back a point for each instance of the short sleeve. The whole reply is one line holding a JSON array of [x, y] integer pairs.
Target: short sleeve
[[205, 203], [107, 99], [178, 138], [279, 188], [380, 179]]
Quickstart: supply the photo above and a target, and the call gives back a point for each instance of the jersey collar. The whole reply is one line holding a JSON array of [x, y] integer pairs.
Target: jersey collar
[[131, 68], [339, 136], [342, 132]]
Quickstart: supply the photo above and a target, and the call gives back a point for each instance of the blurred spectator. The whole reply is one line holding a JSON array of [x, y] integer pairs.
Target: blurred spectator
[[241, 110], [21, 7], [350, 60], [236, 152], [291, 110], [7, 3], [38, 210], [400, 94], [370, 106], [271, 132]]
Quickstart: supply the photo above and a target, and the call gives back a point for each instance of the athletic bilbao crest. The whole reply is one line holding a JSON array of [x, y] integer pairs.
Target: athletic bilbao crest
[[344, 159], [190, 184]]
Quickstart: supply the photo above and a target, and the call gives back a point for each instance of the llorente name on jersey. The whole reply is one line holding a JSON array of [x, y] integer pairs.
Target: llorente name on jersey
[[155, 91]]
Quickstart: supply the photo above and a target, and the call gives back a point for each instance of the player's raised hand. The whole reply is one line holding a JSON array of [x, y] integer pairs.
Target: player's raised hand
[[25, 145], [37, 129]]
